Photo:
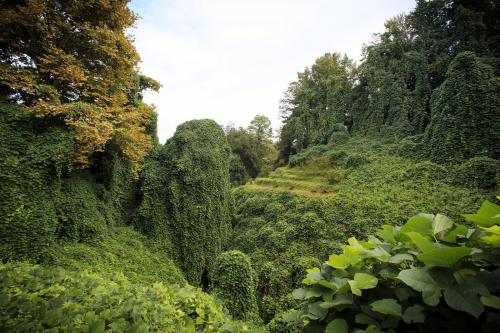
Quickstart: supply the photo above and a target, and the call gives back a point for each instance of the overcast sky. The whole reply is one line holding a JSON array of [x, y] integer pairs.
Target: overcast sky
[[229, 60]]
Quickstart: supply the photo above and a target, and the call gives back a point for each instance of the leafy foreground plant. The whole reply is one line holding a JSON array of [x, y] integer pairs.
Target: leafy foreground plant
[[41, 299], [429, 275]]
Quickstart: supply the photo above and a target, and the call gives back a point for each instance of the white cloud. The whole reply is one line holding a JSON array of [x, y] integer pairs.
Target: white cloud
[[229, 60]]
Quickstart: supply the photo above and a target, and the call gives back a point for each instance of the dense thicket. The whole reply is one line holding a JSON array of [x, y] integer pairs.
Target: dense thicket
[[414, 79], [186, 198]]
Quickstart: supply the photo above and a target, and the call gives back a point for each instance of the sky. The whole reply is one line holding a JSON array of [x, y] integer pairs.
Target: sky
[[229, 60]]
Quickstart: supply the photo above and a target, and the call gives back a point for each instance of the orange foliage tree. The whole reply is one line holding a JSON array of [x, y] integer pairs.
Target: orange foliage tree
[[72, 61]]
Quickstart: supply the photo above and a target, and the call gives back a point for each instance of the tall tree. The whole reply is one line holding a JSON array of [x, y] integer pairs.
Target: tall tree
[[72, 62]]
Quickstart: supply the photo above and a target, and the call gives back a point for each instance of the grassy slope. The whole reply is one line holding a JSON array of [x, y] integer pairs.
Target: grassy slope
[[285, 231]]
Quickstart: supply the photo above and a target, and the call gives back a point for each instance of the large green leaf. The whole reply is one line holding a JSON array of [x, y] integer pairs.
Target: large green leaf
[[444, 256], [422, 242], [420, 280], [451, 237], [387, 233], [420, 223], [337, 326], [462, 298], [414, 314], [486, 216], [388, 306], [339, 299], [441, 224], [362, 281]]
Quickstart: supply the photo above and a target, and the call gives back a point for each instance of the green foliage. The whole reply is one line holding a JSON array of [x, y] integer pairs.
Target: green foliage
[[355, 160], [234, 282], [429, 274], [481, 172], [284, 231], [465, 115], [122, 250], [186, 197], [38, 299]]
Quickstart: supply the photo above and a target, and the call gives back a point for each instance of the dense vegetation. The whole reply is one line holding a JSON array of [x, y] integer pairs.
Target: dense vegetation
[[102, 228]]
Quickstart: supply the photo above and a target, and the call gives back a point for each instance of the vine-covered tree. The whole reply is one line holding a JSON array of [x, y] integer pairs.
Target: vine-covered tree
[[465, 112], [186, 197]]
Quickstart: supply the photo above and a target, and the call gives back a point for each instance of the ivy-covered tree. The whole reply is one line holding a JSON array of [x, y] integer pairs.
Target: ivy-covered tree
[[235, 282], [186, 197], [465, 112]]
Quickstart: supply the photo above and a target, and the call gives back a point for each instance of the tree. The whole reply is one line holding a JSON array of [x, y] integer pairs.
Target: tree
[[186, 197], [72, 62], [465, 110], [260, 127]]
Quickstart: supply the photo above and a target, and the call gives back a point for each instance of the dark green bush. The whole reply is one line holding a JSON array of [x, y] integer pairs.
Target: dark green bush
[[337, 157], [355, 160], [339, 134], [480, 172], [305, 156], [234, 282]]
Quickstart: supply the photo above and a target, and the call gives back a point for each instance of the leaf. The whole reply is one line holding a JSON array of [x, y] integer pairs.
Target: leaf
[[339, 261], [444, 256], [337, 326], [421, 224], [387, 233], [399, 258], [339, 299], [451, 237], [441, 224], [299, 293], [317, 311], [486, 216], [388, 306], [362, 281], [364, 319], [422, 242], [365, 281], [97, 326], [414, 314], [459, 297], [420, 280], [491, 300]]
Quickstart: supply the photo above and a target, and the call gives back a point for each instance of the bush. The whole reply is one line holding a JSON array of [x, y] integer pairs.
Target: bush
[[396, 281], [337, 157], [480, 172], [339, 134], [427, 171], [355, 160], [234, 282], [305, 156], [409, 147], [36, 299]]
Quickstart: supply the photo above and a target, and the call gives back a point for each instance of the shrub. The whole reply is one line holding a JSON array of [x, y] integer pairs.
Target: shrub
[[355, 160], [480, 172], [35, 299], [427, 171], [234, 282], [339, 134], [305, 156], [396, 280], [337, 157], [409, 147]]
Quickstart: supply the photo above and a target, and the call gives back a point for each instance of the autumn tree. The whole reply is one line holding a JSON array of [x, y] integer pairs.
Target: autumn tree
[[72, 62]]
